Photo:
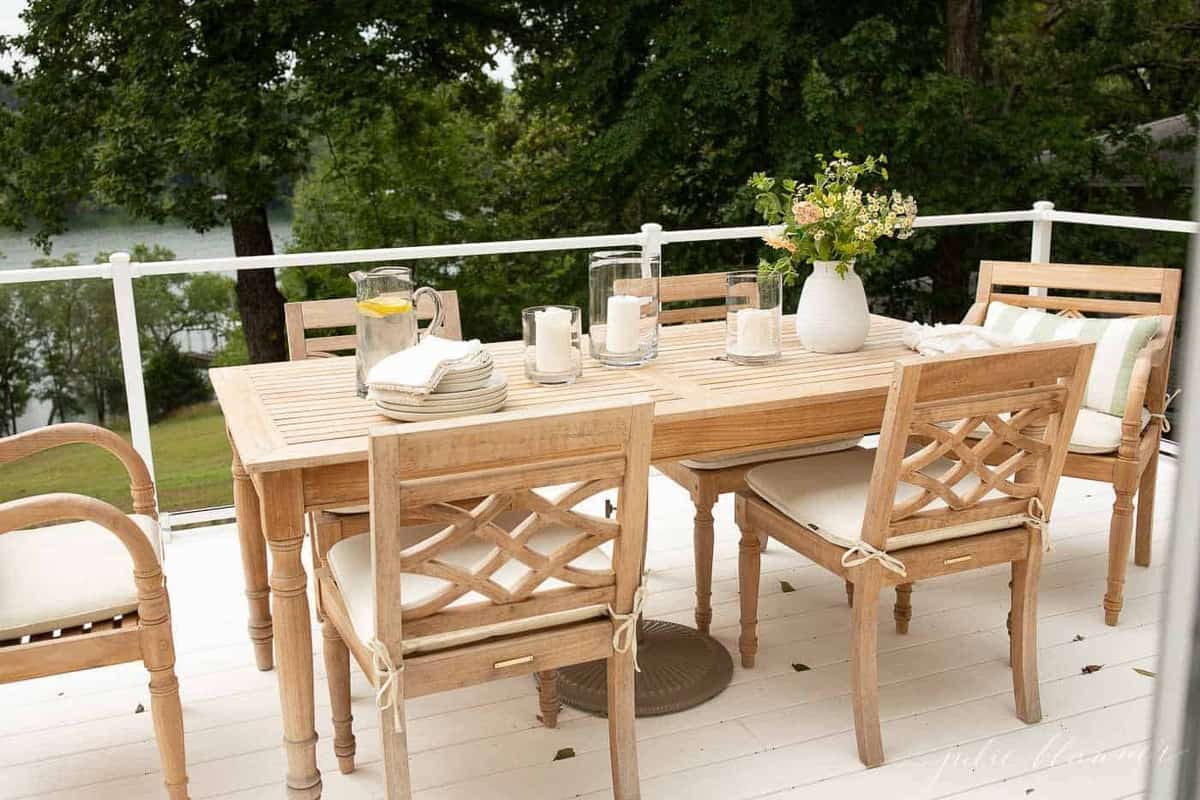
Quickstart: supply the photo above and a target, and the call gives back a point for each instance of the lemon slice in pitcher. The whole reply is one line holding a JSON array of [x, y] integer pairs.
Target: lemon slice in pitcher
[[384, 306]]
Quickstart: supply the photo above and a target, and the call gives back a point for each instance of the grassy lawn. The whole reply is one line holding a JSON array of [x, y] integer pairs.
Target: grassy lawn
[[191, 464]]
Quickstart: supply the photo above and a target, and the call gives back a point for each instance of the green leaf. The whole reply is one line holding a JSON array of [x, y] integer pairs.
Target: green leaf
[[1146, 672]]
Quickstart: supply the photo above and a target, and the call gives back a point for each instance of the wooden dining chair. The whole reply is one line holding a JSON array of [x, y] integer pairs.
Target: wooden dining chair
[[325, 315], [89, 591], [449, 590], [314, 315], [930, 501], [1117, 449], [707, 479]]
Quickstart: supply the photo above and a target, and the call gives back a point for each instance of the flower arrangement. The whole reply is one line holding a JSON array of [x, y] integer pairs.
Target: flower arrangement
[[830, 219]]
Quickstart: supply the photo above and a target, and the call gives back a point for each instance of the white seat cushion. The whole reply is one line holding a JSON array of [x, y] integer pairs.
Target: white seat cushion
[[1099, 433], [798, 451], [350, 563], [65, 575], [827, 494]]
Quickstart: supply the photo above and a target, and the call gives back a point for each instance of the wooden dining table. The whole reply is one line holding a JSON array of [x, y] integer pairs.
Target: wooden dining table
[[299, 437]]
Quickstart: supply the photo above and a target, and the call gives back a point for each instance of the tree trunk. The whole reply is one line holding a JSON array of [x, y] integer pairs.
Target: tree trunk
[[964, 38], [260, 304]]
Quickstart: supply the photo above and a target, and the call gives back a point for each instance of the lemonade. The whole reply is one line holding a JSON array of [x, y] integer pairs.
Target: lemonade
[[385, 326]]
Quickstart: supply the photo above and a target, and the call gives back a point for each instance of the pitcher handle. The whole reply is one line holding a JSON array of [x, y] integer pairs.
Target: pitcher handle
[[437, 306]]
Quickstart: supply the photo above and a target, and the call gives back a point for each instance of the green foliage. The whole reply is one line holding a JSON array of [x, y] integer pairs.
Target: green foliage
[[173, 380], [17, 355]]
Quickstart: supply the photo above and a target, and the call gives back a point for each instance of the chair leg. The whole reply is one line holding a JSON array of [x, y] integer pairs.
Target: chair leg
[[158, 655], [397, 783], [749, 574], [850, 594], [902, 612], [622, 741], [1145, 514], [337, 672], [1120, 532], [702, 545], [1023, 639], [548, 702], [864, 644]]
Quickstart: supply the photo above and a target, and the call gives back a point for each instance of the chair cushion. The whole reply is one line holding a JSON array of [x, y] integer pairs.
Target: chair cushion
[[350, 563], [797, 451], [348, 510], [65, 575], [827, 494], [1118, 343]]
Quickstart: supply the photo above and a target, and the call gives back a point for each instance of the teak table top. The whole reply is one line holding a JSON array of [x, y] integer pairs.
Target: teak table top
[[305, 414]]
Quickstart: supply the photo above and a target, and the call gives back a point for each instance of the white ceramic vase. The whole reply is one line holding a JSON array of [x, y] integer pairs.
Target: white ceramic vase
[[832, 316]]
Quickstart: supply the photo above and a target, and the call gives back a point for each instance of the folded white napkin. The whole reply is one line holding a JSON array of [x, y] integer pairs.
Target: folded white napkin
[[938, 340], [415, 372]]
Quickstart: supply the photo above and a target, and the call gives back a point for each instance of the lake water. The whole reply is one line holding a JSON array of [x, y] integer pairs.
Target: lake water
[[99, 232], [106, 231]]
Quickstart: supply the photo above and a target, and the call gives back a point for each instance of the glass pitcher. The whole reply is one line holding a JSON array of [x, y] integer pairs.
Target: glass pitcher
[[387, 315]]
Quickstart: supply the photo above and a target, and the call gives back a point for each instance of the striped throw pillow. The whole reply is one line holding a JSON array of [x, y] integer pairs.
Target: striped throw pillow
[[1118, 342]]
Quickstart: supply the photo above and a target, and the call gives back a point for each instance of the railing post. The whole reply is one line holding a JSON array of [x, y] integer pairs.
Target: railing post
[[1039, 245], [651, 245], [131, 356]]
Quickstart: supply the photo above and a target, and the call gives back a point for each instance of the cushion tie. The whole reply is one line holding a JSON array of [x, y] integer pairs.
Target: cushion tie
[[1162, 415], [387, 694], [862, 552], [625, 633], [1035, 515]]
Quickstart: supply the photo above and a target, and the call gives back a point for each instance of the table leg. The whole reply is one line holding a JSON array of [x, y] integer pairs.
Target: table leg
[[282, 500], [254, 562]]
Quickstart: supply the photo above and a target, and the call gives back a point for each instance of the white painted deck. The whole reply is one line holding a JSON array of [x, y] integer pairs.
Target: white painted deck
[[948, 723]]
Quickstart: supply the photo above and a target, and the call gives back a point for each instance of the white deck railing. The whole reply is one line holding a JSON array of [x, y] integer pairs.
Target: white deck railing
[[121, 272]]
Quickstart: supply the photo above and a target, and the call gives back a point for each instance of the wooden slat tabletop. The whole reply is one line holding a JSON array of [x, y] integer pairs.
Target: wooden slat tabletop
[[299, 414]]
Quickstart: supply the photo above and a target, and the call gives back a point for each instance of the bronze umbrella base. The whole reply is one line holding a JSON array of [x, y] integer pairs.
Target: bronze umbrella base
[[681, 668]]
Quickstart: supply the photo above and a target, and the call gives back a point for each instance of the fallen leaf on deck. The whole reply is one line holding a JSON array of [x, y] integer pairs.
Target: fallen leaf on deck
[[141, 709], [1077, 638], [801, 667], [1145, 672], [1090, 668], [1029, 791], [566, 752], [787, 587]]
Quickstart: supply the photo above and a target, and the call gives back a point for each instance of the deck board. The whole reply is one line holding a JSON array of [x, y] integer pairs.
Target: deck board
[[948, 724]]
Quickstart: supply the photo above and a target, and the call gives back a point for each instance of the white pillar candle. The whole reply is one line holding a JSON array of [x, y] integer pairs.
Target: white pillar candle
[[552, 349], [621, 324], [755, 331]]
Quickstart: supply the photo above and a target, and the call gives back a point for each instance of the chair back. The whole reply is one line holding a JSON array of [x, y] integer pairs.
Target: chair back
[[1073, 290], [689, 289], [465, 474], [1023, 401], [311, 315]]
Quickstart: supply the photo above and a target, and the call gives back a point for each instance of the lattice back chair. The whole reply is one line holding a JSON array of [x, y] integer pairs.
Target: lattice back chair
[[316, 315], [325, 315], [930, 501], [473, 571], [88, 591], [1118, 449], [706, 479]]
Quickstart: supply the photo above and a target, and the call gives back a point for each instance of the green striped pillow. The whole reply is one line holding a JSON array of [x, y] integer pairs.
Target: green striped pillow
[[1118, 342]]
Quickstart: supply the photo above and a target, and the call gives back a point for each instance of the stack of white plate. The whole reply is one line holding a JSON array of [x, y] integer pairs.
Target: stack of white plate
[[473, 389]]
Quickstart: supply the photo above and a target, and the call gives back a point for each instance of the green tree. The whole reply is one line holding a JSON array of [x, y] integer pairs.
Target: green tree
[[204, 111], [17, 361]]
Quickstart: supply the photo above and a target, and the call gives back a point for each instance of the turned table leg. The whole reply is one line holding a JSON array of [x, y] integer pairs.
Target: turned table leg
[[254, 562], [283, 523]]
